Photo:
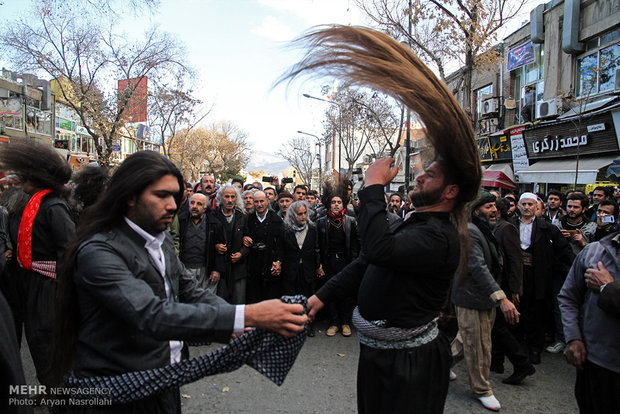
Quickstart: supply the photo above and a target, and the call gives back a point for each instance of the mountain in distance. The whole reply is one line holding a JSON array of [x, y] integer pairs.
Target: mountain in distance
[[272, 164]]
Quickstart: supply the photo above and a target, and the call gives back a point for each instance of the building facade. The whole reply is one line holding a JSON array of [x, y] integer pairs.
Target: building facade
[[549, 115]]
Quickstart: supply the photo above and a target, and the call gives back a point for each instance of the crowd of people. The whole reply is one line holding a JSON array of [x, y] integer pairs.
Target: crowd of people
[[155, 263]]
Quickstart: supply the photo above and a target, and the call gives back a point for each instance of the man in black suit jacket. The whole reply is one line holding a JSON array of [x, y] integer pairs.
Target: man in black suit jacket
[[127, 302], [229, 211]]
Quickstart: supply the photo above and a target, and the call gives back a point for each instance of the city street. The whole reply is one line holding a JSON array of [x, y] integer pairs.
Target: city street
[[323, 381]]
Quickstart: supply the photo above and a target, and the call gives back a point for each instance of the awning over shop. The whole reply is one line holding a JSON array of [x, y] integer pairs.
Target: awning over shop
[[499, 176], [563, 171]]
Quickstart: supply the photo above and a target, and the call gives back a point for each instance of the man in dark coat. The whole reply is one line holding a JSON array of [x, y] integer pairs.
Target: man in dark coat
[[127, 303], [542, 245], [503, 335], [264, 264], [476, 294], [199, 232], [229, 210]]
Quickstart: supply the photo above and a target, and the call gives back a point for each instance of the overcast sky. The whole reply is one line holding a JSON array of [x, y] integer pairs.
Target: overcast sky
[[238, 47]]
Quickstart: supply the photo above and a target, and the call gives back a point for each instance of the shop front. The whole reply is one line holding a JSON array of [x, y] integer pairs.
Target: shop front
[[496, 156], [570, 152]]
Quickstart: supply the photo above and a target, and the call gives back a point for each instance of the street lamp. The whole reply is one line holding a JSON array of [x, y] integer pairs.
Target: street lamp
[[305, 95], [318, 154]]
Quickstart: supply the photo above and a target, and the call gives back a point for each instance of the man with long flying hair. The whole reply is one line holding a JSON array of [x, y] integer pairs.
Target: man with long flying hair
[[45, 229], [126, 302], [403, 275]]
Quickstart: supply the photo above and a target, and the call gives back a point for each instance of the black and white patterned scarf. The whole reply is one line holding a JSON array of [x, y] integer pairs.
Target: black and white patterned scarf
[[269, 353]]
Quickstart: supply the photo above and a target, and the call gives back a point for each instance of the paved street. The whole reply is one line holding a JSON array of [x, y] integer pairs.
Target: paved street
[[323, 381]]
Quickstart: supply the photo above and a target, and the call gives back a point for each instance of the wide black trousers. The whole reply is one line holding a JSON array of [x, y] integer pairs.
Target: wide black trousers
[[404, 380], [597, 390]]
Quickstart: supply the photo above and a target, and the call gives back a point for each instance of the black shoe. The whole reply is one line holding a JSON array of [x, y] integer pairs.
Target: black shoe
[[311, 332], [519, 375], [535, 357], [499, 368]]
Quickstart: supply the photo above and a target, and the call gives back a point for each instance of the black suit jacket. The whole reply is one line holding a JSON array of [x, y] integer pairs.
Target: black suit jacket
[[126, 319], [235, 271], [299, 262]]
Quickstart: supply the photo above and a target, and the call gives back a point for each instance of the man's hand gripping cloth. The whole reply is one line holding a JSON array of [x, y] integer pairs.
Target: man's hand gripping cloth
[[269, 353]]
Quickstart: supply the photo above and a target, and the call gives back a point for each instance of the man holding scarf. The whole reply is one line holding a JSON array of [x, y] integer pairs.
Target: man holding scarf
[[476, 294], [45, 229]]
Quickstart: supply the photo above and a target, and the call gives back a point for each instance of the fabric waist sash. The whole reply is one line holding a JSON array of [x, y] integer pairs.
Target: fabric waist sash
[[375, 335]]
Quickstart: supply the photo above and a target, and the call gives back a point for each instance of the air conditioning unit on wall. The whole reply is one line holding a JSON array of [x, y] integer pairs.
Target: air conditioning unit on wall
[[546, 109], [489, 106]]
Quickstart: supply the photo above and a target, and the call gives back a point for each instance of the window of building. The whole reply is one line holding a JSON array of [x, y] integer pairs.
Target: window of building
[[481, 95], [531, 75], [596, 69]]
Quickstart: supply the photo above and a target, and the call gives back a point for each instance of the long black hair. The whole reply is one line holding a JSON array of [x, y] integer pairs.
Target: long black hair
[[130, 179], [40, 164]]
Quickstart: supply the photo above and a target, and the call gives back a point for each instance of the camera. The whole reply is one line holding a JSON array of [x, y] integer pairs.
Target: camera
[[287, 180], [267, 179]]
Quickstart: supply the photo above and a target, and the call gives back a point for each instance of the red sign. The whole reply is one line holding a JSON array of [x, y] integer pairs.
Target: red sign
[[135, 93]]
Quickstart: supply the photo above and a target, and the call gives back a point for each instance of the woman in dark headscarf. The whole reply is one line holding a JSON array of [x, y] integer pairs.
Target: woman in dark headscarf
[[299, 250]]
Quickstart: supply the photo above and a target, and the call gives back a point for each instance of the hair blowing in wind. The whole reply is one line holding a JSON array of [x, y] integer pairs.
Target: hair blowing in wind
[[365, 57]]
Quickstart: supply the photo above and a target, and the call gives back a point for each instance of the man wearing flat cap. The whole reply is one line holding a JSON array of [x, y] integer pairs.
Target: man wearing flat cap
[[476, 294], [542, 245]]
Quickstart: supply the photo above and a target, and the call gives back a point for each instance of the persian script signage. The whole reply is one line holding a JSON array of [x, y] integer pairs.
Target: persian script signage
[[595, 135], [494, 148]]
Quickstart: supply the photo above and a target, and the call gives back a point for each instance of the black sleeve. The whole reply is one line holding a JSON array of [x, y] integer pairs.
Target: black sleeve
[[345, 283], [609, 299], [219, 260]]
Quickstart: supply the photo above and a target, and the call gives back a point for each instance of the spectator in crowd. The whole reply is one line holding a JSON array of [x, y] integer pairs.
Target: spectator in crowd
[[284, 201], [199, 232], [394, 202], [574, 224], [606, 221], [542, 244], [339, 246], [599, 194], [209, 189], [554, 211], [13, 200], [503, 336], [299, 193], [237, 182], [248, 200], [298, 245], [312, 199], [126, 301], [264, 263], [512, 209], [231, 214], [89, 184], [617, 194], [475, 295], [272, 196], [45, 229], [590, 304]]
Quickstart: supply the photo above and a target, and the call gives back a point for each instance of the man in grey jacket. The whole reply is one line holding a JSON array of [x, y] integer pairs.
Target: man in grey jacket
[[476, 295], [590, 306], [127, 303]]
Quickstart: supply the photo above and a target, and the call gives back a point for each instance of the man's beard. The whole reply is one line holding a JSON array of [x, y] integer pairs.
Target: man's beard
[[426, 198]]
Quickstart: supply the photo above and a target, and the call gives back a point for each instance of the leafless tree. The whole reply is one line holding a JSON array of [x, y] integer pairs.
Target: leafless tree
[[445, 32], [173, 108], [297, 151], [87, 57], [362, 120]]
